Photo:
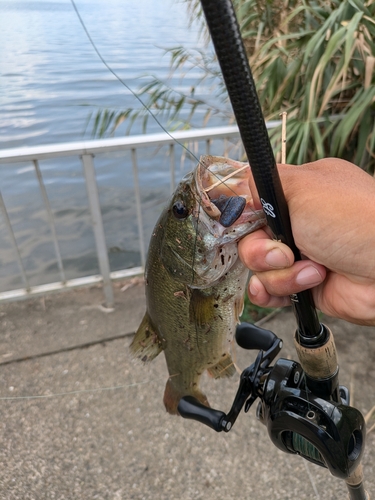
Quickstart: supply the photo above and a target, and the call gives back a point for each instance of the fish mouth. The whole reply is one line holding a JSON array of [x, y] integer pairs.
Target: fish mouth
[[223, 190]]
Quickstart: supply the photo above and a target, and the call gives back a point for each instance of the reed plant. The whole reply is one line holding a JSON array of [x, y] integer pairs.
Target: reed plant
[[314, 59]]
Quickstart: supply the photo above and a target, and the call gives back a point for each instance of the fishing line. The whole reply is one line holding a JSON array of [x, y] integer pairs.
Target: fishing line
[[127, 86], [136, 384], [69, 393], [156, 120], [148, 109]]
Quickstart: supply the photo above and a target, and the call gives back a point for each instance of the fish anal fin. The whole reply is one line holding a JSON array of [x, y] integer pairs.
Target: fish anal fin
[[172, 397], [201, 307], [146, 344], [224, 368]]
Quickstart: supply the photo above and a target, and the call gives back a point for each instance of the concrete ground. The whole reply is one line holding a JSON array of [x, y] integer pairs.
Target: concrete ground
[[82, 420]]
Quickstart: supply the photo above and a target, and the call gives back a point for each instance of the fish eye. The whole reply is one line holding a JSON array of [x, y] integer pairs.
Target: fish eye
[[180, 211]]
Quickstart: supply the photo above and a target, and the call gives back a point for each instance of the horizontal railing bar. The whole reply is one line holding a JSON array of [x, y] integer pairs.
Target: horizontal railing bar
[[22, 293], [31, 153]]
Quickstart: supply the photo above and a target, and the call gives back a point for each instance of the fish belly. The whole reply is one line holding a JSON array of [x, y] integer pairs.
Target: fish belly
[[195, 328]]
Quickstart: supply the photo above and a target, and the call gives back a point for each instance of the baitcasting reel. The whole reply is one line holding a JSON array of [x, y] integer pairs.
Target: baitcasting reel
[[301, 418]]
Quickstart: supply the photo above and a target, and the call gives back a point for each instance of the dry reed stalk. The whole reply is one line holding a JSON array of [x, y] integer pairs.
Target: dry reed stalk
[[283, 136], [226, 178]]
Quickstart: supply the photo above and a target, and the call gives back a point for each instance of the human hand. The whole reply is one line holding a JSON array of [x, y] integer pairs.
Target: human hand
[[332, 209]]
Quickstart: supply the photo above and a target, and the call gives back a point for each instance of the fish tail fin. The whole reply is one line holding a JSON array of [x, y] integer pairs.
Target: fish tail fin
[[172, 397], [146, 344], [224, 368]]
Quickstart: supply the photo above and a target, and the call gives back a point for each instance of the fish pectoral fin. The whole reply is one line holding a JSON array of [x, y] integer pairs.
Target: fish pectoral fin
[[239, 305], [146, 344], [201, 307], [224, 368]]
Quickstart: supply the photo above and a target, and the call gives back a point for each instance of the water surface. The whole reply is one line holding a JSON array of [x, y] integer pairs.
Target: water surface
[[52, 81]]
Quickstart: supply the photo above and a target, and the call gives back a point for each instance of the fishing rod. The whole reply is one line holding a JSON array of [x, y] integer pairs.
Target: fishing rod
[[302, 404]]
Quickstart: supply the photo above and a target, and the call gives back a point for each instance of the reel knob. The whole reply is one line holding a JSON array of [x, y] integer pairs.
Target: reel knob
[[249, 336]]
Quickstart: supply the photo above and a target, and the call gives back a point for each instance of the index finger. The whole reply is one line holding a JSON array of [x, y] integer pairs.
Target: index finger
[[260, 253]]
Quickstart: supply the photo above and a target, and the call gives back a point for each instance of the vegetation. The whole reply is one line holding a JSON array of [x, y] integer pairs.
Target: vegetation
[[314, 59]]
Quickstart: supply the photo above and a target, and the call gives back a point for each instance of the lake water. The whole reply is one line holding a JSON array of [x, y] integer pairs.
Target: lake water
[[51, 82], [51, 77]]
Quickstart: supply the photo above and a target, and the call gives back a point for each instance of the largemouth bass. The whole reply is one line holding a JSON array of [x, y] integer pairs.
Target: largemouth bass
[[195, 283]]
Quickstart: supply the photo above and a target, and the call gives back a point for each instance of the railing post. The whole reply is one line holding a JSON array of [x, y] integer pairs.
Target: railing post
[[14, 243], [137, 193], [172, 168], [208, 146], [51, 220], [97, 223]]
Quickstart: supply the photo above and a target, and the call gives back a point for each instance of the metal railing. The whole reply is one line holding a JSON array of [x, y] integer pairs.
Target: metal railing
[[86, 150]]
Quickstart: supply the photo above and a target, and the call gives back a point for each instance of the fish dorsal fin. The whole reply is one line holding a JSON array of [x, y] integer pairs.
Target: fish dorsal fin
[[224, 368], [146, 344], [201, 307]]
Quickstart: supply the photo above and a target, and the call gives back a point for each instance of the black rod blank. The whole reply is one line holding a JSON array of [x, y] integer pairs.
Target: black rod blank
[[225, 33]]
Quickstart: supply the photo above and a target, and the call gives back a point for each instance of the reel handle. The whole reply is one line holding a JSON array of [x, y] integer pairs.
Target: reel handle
[[249, 336], [190, 407]]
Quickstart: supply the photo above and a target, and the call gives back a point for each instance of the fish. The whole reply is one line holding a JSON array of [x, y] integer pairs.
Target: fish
[[194, 281]]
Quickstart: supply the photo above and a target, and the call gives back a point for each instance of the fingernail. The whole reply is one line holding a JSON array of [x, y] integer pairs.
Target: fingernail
[[252, 286], [276, 258], [308, 276]]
